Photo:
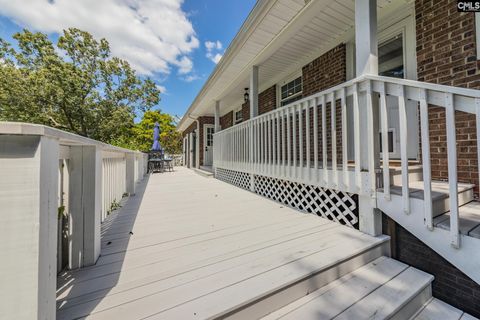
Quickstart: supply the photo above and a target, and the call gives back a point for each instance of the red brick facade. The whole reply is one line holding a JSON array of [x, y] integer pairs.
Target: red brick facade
[[328, 70], [267, 100], [446, 55], [226, 121]]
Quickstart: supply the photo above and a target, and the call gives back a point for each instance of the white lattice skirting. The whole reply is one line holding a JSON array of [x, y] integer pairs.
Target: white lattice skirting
[[334, 205], [237, 178]]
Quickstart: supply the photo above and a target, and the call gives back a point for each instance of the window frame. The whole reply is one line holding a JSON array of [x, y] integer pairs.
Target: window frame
[[235, 120], [286, 81]]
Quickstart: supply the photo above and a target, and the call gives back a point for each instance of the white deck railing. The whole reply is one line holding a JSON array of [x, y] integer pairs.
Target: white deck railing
[[45, 175], [295, 144]]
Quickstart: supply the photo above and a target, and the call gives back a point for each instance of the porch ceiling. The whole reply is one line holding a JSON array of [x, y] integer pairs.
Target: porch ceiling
[[280, 36]]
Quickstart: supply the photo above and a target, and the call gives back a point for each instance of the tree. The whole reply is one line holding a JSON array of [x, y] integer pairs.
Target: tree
[[75, 86], [170, 138]]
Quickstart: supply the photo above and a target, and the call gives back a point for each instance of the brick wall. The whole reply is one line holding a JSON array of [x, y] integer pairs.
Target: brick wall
[[450, 284], [246, 111], [326, 71], [446, 55], [226, 121], [267, 100], [190, 129]]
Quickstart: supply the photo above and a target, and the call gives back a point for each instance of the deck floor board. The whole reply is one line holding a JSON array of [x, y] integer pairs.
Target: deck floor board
[[195, 242]]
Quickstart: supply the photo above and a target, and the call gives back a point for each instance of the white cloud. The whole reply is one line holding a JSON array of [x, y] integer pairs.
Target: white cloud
[[153, 35], [191, 78], [162, 89], [213, 50]]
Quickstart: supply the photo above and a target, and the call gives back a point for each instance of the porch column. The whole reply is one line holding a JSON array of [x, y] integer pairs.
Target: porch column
[[85, 205], [367, 63], [366, 37], [253, 95], [217, 116], [29, 171], [254, 92]]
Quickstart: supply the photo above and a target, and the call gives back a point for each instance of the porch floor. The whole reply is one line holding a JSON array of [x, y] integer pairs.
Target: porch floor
[[190, 247]]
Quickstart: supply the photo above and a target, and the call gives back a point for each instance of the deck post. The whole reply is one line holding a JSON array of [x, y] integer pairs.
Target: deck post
[[217, 116], [130, 173], [366, 42], [85, 205], [253, 95], [29, 171]]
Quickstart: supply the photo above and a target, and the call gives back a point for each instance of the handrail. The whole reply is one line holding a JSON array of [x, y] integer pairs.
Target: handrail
[[283, 139]]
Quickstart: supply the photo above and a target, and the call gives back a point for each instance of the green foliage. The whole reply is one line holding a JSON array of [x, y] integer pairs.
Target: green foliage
[[75, 85], [170, 138]]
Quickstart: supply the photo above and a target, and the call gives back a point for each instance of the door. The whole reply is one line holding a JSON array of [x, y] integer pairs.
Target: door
[[208, 131], [395, 60]]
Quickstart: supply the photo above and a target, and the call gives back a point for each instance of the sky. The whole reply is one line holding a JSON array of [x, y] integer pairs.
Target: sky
[[176, 43]]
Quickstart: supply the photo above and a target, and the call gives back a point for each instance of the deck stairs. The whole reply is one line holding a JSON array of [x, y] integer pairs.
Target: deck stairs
[[381, 289], [465, 257]]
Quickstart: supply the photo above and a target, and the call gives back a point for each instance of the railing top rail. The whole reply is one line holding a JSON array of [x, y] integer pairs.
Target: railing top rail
[[65, 138], [468, 94]]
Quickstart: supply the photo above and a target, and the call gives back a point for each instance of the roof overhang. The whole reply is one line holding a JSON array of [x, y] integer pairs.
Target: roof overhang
[[279, 36]]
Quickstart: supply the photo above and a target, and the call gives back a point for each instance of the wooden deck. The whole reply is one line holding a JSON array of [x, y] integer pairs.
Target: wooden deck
[[190, 247]]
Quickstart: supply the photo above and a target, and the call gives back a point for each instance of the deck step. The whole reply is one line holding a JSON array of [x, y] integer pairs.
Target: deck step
[[384, 288], [437, 309], [415, 173], [440, 194], [204, 173], [469, 220]]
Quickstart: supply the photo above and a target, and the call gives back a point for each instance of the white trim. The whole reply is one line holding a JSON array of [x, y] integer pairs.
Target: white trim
[[205, 127], [477, 33], [234, 120], [278, 86]]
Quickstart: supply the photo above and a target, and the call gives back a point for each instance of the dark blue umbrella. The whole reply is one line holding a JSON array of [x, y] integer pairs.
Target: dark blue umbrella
[[156, 135]]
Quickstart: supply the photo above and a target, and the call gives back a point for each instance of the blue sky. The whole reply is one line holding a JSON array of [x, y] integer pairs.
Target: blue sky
[[177, 43]]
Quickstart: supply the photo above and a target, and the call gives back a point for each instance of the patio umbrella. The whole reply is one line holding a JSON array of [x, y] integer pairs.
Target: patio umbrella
[[156, 135]]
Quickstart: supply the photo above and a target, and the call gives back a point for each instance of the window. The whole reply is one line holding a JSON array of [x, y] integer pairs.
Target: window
[[237, 116], [210, 132], [291, 91], [390, 58]]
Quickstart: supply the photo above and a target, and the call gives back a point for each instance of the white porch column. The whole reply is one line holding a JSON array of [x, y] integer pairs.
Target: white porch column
[[254, 92], [366, 37], [253, 95], [28, 223], [130, 174], [366, 42], [85, 205], [217, 116]]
